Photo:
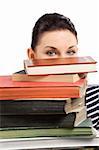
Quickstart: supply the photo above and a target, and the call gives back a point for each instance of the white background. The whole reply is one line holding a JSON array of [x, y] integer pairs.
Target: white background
[[17, 18]]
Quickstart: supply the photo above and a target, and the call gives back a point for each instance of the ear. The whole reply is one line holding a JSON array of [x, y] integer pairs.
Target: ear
[[31, 53]]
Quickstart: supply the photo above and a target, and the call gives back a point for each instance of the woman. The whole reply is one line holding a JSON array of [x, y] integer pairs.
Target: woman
[[55, 36]]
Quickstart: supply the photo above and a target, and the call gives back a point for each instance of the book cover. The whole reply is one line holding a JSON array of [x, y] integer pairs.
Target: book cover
[[38, 121], [84, 130], [60, 65], [61, 61], [14, 90], [32, 107], [6, 81]]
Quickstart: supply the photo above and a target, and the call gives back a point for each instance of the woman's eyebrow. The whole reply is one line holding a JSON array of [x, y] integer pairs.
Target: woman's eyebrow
[[51, 47], [54, 48], [72, 46]]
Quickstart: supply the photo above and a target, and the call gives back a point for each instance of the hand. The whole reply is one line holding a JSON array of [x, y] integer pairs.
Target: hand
[[82, 75]]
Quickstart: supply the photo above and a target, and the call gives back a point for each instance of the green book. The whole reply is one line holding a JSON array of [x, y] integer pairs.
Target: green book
[[83, 130]]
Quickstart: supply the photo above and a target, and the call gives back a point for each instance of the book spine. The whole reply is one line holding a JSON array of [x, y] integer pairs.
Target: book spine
[[52, 92], [38, 121], [59, 132], [30, 107]]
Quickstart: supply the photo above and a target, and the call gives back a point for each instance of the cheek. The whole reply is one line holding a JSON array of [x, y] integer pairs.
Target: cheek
[[40, 55], [75, 55], [44, 56]]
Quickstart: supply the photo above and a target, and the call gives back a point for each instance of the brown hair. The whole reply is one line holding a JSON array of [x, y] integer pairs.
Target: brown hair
[[51, 22]]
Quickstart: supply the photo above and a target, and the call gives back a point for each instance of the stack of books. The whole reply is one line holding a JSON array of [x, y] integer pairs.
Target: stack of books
[[47, 99]]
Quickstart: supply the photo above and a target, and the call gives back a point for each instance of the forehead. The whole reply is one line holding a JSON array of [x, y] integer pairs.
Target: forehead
[[57, 37]]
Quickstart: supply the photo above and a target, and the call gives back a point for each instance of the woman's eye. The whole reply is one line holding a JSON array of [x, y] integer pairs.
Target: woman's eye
[[51, 53], [71, 52]]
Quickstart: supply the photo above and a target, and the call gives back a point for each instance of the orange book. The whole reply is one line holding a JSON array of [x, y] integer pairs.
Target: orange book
[[16, 90], [60, 65]]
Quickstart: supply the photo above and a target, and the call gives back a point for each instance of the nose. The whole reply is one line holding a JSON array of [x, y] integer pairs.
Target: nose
[[62, 55]]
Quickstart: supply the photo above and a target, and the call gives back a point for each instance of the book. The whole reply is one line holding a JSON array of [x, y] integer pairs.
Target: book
[[14, 90], [38, 121], [32, 107], [21, 111], [74, 103], [83, 130], [60, 65], [81, 115], [46, 78]]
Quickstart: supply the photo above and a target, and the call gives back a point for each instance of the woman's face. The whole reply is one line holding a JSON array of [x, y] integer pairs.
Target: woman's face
[[56, 44]]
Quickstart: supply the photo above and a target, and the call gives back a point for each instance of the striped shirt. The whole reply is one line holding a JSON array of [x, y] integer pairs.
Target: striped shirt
[[92, 104]]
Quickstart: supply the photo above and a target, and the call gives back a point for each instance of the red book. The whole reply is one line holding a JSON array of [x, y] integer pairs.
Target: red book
[[16, 90], [60, 65]]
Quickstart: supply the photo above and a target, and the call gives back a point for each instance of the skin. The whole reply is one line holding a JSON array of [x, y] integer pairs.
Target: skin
[[55, 44]]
